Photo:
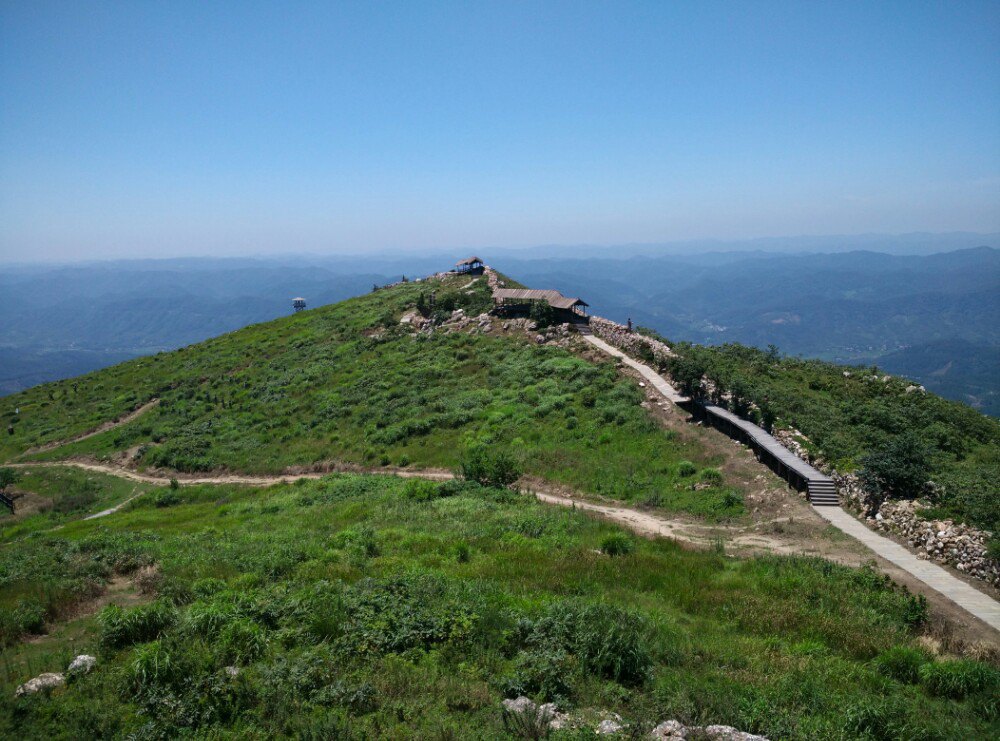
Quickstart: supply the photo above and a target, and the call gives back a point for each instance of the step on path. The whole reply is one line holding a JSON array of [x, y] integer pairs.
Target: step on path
[[824, 498]]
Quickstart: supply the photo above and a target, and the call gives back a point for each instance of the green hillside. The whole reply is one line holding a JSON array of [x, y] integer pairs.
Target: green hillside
[[367, 606], [360, 606]]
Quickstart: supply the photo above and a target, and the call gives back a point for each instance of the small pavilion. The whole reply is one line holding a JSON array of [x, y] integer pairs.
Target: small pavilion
[[470, 266]]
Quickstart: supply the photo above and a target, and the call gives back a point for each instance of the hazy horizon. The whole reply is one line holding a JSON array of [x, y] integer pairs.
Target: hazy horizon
[[915, 243], [156, 130]]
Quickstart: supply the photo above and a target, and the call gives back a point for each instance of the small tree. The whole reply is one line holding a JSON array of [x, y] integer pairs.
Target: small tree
[[8, 477], [687, 373], [897, 469], [542, 314]]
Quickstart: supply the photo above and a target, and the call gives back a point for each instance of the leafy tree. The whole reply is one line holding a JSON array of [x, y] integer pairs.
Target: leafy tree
[[542, 314], [897, 469], [8, 477], [687, 373]]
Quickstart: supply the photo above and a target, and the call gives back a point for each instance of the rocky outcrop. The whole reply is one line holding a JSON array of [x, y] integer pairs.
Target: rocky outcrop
[[42, 683], [945, 541], [629, 341], [82, 664], [604, 723]]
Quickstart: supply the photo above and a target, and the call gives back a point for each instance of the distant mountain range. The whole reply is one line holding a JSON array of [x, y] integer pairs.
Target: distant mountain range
[[933, 318]]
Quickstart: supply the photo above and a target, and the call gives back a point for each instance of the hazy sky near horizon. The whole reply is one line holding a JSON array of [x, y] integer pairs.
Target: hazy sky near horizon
[[132, 129]]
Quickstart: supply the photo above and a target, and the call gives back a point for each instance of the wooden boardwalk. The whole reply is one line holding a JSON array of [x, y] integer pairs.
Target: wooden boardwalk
[[821, 488]]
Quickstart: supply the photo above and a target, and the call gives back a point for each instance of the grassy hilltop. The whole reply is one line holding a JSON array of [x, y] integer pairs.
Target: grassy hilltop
[[361, 606], [348, 383]]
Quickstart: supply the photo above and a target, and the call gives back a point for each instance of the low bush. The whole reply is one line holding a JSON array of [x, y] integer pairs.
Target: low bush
[[686, 468], [495, 468], [608, 641], [617, 544], [711, 476], [901, 663], [121, 628], [421, 490], [167, 498], [545, 672], [242, 642], [959, 679]]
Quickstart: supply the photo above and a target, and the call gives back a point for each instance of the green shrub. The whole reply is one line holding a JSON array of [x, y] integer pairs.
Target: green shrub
[[901, 663], [242, 642], [167, 499], [873, 718], [608, 641], [958, 679], [490, 467], [359, 541], [711, 476], [421, 490], [152, 664], [413, 610], [617, 544], [545, 672], [686, 468], [121, 628]]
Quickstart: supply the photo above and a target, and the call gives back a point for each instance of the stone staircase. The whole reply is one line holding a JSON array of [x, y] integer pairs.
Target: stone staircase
[[823, 493]]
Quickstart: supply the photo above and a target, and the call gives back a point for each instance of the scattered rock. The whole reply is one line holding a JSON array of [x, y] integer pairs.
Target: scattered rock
[[669, 729], [608, 727], [232, 671], [728, 733], [42, 683], [82, 664], [672, 729]]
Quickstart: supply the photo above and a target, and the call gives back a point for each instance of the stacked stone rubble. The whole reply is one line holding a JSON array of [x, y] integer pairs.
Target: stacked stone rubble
[[630, 342]]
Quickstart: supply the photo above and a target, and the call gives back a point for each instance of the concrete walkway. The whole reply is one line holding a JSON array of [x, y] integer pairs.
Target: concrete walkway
[[965, 596], [971, 599], [644, 370]]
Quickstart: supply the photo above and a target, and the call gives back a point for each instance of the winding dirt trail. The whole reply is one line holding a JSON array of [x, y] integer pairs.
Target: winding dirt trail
[[104, 427], [737, 540]]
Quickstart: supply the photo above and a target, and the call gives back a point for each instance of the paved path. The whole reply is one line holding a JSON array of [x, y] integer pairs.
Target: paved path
[[644, 370], [971, 599], [965, 596]]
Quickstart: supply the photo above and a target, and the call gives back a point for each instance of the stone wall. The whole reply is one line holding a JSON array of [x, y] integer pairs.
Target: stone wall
[[944, 541], [630, 342]]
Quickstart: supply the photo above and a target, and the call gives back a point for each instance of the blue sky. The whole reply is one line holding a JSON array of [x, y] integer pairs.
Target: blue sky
[[142, 129]]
